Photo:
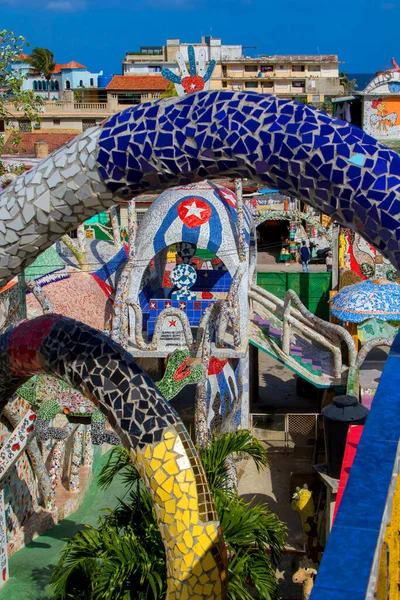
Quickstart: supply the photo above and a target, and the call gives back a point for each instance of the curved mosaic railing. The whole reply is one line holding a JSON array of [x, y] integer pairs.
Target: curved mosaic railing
[[146, 424]]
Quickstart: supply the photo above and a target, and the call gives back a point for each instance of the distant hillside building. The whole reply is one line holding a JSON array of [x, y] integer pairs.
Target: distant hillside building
[[314, 78], [69, 76]]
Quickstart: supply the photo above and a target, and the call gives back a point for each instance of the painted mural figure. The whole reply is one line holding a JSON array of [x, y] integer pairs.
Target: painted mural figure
[[382, 120]]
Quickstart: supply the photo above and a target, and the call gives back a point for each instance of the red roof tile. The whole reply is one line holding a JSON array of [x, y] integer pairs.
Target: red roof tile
[[138, 83], [71, 65]]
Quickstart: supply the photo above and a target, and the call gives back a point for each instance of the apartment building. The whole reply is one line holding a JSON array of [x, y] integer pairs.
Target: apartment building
[[314, 78]]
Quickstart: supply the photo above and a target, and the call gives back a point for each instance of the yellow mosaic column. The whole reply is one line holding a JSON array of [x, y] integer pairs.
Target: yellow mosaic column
[[196, 554]]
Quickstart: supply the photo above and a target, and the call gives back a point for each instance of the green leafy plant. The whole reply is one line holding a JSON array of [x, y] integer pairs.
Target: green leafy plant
[[124, 558], [15, 103]]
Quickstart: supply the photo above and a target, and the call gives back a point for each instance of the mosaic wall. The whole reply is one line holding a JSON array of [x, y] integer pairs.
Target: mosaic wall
[[21, 492], [382, 116], [357, 255]]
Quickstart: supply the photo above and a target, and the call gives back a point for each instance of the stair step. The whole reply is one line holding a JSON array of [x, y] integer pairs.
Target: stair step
[[273, 332]]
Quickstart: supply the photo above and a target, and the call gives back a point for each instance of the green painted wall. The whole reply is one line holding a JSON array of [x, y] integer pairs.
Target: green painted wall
[[312, 288]]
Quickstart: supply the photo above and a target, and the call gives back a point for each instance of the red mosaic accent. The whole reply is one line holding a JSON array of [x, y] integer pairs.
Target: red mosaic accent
[[182, 371], [193, 83], [216, 365], [25, 342], [194, 212]]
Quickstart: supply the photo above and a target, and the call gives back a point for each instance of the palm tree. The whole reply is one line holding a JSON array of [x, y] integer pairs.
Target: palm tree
[[123, 557], [42, 60], [349, 85]]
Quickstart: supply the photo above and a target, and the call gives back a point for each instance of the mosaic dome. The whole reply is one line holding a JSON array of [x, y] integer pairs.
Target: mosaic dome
[[361, 301]]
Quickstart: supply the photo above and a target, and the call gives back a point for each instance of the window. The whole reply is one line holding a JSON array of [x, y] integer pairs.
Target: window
[[2, 126], [224, 84], [250, 69], [267, 84], [282, 68], [224, 71], [39, 86], [56, 86], [67, 85], [298, 68], [251, 84], [129, 99], [87, 123], [80, 83], [35, 86], [315, 98], [314, 68], [298, 84], [25, 126], [267, 68], [56, 121], [52, 86], [91, 82]]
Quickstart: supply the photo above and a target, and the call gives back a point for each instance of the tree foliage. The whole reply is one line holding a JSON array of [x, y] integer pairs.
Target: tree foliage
[[42, 60], [15, 103], [170, 91], [123, 557], [349, 85]]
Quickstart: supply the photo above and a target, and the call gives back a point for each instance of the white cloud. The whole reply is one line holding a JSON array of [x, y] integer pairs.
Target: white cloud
[[64, 5], [170, 4]]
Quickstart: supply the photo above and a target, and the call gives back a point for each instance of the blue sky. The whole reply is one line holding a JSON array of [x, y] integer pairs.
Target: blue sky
[[362, 32]]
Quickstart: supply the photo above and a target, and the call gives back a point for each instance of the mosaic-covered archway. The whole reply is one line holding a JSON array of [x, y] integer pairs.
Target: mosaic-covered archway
[[330, 164]]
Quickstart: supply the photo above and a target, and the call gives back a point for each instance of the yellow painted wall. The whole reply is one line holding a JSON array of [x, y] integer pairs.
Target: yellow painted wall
[[387, 587]]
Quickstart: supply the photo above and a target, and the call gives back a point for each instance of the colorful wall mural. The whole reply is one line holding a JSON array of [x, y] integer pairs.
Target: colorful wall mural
[[359, 256], [382, 116]]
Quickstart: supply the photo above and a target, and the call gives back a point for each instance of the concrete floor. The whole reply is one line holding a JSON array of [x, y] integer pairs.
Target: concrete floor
[[266, 262], [31, 568], [272, 486]]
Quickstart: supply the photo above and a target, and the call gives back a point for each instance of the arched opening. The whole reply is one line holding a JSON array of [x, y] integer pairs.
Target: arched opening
[[81, 83], [67, 85], [56, 85], [39, 85], [35, 85]]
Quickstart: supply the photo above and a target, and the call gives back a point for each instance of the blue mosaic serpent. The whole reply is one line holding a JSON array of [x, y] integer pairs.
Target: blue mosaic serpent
[[327, 163]]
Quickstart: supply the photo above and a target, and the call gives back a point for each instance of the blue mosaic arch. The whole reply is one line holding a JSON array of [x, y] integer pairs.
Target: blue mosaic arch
[[329, 163]]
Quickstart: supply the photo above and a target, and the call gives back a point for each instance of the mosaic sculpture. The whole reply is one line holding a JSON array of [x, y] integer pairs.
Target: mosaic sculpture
[[330, 164], [303, 503], [159, 444], [178, 374], [191, 81], [305, 576]]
